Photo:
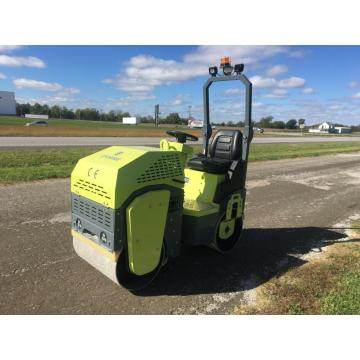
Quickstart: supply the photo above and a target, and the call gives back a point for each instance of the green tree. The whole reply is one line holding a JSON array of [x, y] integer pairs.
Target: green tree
[[55, 112], [22, 109], [291, 124], [265, 122], [278, 124], [173, 118]]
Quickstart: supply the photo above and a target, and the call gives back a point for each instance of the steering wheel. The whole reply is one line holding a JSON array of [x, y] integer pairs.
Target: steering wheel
[[181, 137]]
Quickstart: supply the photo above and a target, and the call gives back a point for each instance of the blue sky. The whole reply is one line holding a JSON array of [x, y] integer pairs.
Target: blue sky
[[318, 83]]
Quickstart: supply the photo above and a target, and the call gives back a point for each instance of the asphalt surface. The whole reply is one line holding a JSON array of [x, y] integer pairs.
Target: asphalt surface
[[19, 142], [293, 207]]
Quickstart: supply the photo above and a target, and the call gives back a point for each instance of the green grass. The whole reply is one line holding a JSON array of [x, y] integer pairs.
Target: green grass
[[35, 164], [26, 165], [344, 298], [328, 284], [289, 151], [18, 121]]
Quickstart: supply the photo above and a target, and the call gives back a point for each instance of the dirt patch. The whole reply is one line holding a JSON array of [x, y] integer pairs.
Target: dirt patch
[[300, 290], [251, 184]]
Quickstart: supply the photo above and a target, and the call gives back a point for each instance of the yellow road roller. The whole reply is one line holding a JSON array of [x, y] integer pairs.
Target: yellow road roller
[[134, 207]]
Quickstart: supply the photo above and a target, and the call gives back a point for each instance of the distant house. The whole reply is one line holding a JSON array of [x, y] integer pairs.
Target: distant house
[[329, 128], [342, 129], [326, 126]]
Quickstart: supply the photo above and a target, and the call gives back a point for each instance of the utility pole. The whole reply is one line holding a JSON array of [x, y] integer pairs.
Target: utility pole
[[189, 112], [157, 112]]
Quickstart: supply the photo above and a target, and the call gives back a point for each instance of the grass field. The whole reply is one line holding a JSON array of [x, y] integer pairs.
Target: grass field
[[15, 126], [344, 297], [328, 284], [36, 164]]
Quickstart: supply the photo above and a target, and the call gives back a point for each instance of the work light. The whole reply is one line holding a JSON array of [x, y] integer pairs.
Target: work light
[[225, 64], [213, 71], [239, 68]]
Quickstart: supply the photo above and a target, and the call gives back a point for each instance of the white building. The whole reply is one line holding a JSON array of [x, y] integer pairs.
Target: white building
[[36, 116], [329, 128], [342, 129], [7, 103], [130, 120]]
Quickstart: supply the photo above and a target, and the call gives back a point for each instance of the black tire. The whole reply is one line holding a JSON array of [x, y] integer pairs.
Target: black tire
[[133, 282], [227, 245]]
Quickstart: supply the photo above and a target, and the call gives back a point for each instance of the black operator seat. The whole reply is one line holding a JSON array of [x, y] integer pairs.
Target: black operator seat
[[225, 147]]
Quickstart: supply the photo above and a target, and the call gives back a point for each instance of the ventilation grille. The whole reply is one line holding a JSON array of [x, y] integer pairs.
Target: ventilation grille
[[92, 212], [91, 188], [165, 167]]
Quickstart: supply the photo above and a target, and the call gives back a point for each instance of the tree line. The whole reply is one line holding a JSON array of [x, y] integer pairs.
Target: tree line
[[268, 123], [62, 112]]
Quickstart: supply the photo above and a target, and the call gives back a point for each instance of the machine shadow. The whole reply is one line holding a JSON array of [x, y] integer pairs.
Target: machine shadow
[[261, 255]]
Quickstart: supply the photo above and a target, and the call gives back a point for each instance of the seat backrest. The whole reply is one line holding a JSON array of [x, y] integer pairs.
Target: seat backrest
[[226, 144]]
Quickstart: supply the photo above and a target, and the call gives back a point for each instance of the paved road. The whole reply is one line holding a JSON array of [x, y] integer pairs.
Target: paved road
[[18, 142], [293, 208]]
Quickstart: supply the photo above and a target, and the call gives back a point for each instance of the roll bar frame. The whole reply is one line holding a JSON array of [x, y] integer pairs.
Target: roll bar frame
[[248, 129]]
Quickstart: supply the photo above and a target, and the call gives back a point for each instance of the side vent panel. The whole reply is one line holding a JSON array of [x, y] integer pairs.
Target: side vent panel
[[93, 212], [91, 188], [167, 166]]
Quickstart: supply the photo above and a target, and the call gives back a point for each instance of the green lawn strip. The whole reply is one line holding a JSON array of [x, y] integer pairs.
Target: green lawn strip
[[344, 298], [33, 164], [26, 165], [17, 121], [288, 151]]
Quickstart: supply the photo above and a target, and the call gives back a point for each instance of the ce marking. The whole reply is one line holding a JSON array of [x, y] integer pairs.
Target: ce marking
[[93, 173]]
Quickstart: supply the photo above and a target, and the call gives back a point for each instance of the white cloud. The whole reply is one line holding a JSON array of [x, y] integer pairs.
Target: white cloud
[[9, 48], [308, 91], [2, 76], [126, 100], [336, 107], [208, 55], [107, 81], [292, 82], [142, 73], [297, 54], [177, 102], [354, 84], [263, 82], [278, 93], [68, 92], [60, 94], [233, 91], [357, 95], [17, 61], [277, 70], [47, 100], [37, 85], [45, 86]]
